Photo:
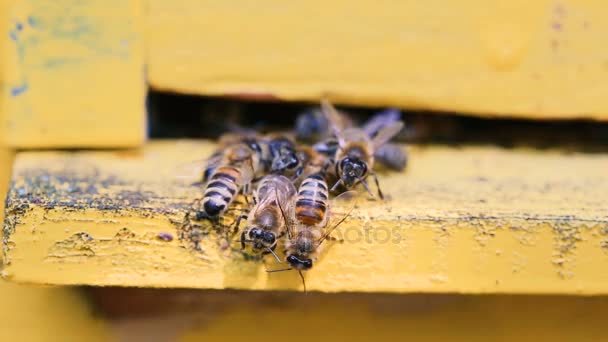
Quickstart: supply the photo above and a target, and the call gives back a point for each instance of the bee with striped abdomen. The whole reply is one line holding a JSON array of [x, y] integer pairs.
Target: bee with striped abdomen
[[235, 171], [265, 224], [307, 223], [312, 201], [354, 158]]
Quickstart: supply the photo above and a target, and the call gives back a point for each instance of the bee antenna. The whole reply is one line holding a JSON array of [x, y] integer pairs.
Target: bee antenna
[[366, 186], [275, 255], [333, 188], [303, 281], [279, 270]]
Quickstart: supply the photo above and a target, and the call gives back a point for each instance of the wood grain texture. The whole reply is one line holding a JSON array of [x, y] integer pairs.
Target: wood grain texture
[[524, 59], [73, 74], [471, 220]]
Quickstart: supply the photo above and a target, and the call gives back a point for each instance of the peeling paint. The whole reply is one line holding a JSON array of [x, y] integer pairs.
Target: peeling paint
[[99, 217]]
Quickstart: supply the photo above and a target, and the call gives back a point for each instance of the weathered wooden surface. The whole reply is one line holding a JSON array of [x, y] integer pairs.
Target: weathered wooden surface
[[474, 220], [536, 60], [40, 313], [72, 73]]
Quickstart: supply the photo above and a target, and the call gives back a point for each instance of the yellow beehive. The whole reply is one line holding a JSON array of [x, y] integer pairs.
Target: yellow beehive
[[540, 59], [471, 220], [72, 74]]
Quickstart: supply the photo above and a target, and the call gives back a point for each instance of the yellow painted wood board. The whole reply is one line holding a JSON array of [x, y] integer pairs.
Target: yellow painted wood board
[[41, 313], [73, 74], [461, 219], [245, 315], [523, 59]]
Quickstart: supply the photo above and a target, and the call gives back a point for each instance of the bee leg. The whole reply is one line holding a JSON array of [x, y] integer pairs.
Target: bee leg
[[243, 238], [298, 173], [238, 223], [380, 194]]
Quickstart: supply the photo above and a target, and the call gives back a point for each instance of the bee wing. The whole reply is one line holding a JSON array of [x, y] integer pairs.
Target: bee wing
[[346, 201], [286, 218], [387, 133], [381, 119], [196, 168], [333, 117], [392, 156]]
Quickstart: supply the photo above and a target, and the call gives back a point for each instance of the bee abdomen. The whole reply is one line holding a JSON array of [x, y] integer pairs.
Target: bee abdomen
[[310, 212], [220, 190]]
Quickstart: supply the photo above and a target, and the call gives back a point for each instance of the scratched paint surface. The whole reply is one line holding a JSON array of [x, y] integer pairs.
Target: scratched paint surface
[[537, 59], [473, 219], [73, 65]]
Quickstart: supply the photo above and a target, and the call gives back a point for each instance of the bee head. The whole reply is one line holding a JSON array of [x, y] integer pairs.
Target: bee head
[[261, 236], [352, 170], [299, 264], [287, 159]]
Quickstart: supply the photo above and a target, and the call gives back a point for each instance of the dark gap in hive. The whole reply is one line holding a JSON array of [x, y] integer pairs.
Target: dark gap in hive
[[187, 116]]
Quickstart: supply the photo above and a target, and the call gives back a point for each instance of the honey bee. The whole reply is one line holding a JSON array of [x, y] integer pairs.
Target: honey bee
[[235, 170], [354, 158], [265, 223], [306, 226], [313, 125], [277, 154]]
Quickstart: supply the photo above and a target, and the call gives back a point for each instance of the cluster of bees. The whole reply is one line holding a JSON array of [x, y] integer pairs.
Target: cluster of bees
[[290, 183]]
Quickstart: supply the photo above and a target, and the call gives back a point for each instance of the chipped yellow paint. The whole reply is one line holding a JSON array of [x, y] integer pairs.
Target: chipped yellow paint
[[537, 59], [69, 67], [36, 313], [472, 220]]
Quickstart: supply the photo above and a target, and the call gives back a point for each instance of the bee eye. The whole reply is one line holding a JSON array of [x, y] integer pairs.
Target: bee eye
[[362, 168], [268, 237], [293, 162], [292, 260], [345, 163], [307, 264], [256, 233]]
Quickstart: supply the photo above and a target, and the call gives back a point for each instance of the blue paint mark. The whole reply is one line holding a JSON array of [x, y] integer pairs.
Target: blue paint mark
[[16, 91], [51, 63], [13, 35], [19, 26], [31, 21]]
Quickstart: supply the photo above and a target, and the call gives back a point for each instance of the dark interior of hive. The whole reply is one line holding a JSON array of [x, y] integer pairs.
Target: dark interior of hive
[[186, 116]]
